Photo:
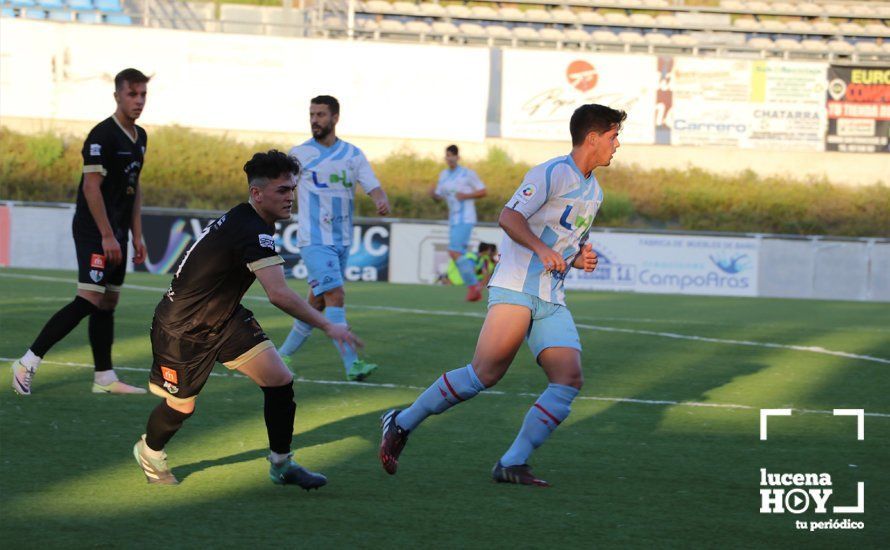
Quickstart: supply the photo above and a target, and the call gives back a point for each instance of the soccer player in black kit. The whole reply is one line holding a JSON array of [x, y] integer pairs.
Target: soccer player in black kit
[[109, 206], [200, 321]]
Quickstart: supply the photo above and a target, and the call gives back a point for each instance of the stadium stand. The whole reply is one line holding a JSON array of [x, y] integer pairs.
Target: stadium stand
[[831, 30]]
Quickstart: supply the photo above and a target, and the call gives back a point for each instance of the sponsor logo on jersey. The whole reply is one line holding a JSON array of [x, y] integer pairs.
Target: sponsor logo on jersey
[[95, 149], [526, 193], [169, 375], [96, 275], [171, 388], [267, 241], [97, 261]]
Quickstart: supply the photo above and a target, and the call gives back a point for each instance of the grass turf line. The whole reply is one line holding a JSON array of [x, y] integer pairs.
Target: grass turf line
[[624, 474]]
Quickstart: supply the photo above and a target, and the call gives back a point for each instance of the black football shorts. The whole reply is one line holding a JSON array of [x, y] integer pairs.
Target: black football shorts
[[93, 271], [181, 367]]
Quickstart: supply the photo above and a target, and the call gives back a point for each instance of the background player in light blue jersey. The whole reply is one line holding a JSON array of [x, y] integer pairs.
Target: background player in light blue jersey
[[460, 187], [326, 197], [546, 224]]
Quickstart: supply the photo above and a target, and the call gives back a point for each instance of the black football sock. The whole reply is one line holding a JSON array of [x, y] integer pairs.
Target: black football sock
[[163, 423], [279, 409], [101, 338], [61, 324]]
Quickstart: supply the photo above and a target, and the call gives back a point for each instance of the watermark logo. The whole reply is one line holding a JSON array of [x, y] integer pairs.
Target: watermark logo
[[798, 492]]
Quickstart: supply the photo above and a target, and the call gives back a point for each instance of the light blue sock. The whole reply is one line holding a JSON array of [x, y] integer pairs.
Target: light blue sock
[[549, 410], [450, 389], [298, 334], [467, 270], [337, 315]]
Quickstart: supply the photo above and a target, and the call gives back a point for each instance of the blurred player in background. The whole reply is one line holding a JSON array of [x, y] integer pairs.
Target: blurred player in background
[[326, 193], [547, 222], [109, 206], [460, 187], [484, 262], [200, 321]]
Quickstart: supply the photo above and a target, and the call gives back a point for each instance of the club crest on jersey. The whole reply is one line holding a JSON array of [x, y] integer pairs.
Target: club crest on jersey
[[171, 388], [267, 241], [97, 261], [95, 149], [96, 275]]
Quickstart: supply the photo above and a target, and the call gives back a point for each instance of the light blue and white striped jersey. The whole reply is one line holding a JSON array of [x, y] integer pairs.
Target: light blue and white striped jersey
[[452, 182], [559, 204], [326, 191]]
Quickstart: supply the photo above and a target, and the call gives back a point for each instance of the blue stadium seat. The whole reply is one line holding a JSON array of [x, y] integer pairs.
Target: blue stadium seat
[[33, 13], [23, 3], [80, 4], [60, 15], [108, 5], [51, 3], [118, 19], [8, 12], [89, 17]]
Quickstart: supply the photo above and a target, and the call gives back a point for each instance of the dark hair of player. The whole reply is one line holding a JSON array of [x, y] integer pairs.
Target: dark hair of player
[[330, 101], [269, 166], [451, 149], [133, 76], [593, 118], [487, 247]]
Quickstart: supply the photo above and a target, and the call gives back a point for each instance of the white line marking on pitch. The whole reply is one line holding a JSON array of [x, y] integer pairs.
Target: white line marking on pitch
[[486, 392], [672, 335]]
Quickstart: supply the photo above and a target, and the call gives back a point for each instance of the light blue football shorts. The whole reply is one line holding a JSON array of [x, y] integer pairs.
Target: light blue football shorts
[[326, 266], [459, 237], [551, 325]]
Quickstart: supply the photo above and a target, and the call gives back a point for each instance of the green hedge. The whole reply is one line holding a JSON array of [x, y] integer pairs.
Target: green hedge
[[190, 169]]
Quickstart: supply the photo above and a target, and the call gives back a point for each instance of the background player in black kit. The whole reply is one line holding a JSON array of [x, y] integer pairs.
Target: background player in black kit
[[109, 206], [200, 321]]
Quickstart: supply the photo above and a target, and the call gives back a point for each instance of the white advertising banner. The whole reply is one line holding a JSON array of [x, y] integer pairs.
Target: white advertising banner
[[764, 104], [671, 264], [541, 89], [240, 82]]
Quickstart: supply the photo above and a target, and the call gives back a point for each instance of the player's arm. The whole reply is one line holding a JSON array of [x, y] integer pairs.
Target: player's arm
[[478, 194], [434, 192], [92, 192], [366, 178], [381, 201], [515, 225], [136, 228], [285, 299], [478, 188]]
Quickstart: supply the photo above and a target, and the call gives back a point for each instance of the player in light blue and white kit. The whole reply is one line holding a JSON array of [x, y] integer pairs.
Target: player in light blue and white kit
[[326, 194], [460, 187], [547, 222]]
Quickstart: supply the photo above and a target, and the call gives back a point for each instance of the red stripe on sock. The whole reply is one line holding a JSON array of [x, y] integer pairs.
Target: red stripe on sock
[[545, 411], [454, 393]]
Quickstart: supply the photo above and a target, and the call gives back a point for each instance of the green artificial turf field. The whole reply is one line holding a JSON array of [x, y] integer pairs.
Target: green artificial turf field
[[662, 448]]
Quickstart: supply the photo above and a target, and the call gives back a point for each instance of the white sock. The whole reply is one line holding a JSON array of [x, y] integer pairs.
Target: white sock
[[276, 458], [29, 360], [151, 452], [105, 377]]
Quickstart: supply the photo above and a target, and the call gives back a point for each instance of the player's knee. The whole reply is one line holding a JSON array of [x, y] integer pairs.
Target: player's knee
[[334, 297], [185, 407], [488, 375], [571, 377], [454, 255]]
